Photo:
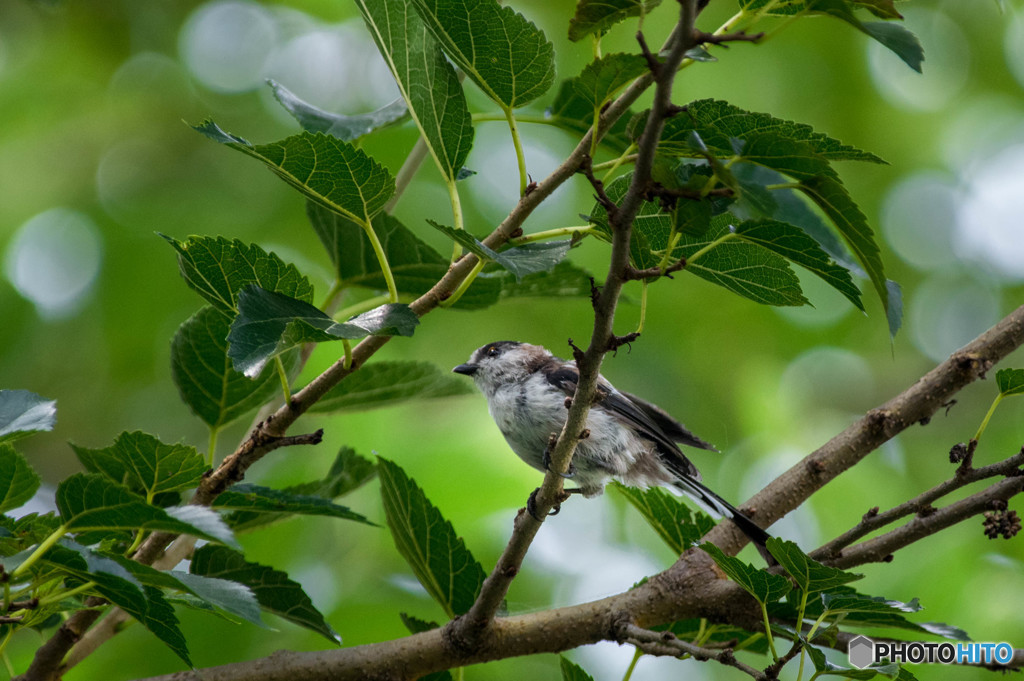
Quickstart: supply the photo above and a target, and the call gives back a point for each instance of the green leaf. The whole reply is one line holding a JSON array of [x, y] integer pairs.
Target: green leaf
[[504, 54], [601, 79], [18, 482], [520, 261], [203, 373], [415, 625], [761, 584], [564, 280], [572, 671], [270, 323], [810, 575], [348, 472], [415, 265], [597, 16], [669, 516], [437, 556], [347, 128], [23, 413], [92, 502], [273, 589], [427, 81], [796, 246], [383, 384], [894, 308], [574, 113], [1010, 381], [253, 498], [144, 463], [323, 168], [217, 269], [822, 666], [893, 36]]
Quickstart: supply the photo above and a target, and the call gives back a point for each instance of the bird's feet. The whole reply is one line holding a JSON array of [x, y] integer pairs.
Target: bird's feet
[[531, 503], [546, 459]]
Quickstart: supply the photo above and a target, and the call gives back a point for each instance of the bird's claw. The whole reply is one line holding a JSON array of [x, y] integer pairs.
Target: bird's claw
[[546, 461], [531, 507]]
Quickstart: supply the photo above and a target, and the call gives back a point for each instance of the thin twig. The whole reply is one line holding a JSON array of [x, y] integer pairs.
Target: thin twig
[[666, 643]]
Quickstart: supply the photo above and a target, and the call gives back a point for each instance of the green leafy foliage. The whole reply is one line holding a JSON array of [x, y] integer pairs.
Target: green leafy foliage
[[273, 589], [810, 575], [669, 516], [1010, 381], [822, 666], [218, 269], [439, 109], [438, 557], [502, 52], [601, 79], [270, 323], [597, 16], [94, 503], [382, 384], [572, 671], [205, 377], [764, 586], [893, 36], [570, 111], [540, 256], [323, 168], [143, 463], [257, 499], [347, 128], [23, 413], [18, 482]]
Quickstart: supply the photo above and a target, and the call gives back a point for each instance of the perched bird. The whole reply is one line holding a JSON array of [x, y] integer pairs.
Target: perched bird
[[628, 439]]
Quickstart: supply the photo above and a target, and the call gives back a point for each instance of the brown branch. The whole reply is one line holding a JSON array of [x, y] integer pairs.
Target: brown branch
[[702, 38], [666, 643]]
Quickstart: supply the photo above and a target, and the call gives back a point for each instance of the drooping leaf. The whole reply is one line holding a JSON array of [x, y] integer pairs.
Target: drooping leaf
[[24, 532], [504, 53], [822, 666], [891, 35], [1010, 381], [520, 261], [144, 463], [572, 671], [323, 168], [382, 384], [597, 16], [603, 78], [92, 502], [257, 499], [565, 280], [427, 81], [18, 482], [673, 520], [23, 413], [574, 113], [273, 589], [415, 625], [438, 557], [764, 586], [894, 307], [810, 575], [344, 127], [796, 246], [270, 323], [204, 375], [217, 269]]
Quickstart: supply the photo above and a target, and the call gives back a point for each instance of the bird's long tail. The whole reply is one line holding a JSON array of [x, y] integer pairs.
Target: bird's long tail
[[695, 489]]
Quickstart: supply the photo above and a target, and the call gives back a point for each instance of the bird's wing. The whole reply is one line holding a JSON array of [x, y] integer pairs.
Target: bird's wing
[[669, 425]]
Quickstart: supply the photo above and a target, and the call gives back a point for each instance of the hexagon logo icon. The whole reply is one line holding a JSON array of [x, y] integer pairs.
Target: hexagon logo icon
[[861, 651]]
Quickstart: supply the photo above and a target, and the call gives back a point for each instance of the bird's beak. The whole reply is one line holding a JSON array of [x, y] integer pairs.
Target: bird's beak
[[467, 369]]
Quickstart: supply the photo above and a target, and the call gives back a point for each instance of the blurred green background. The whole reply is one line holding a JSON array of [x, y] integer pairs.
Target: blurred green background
[[95, 159]]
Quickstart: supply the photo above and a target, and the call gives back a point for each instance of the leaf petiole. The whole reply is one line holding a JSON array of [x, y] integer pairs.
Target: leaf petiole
[[703, 251], [211, 448], [348, 353], [283, 375], [464, 286], [520, 157], [988, 416], [581, 230], [45, 546], [61, 595], [382, 259]]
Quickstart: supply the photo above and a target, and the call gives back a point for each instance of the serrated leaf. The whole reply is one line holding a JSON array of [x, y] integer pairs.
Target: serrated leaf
[[204, 375], [225, 594], [413, 263], [759, 583], [254, 498], [852, 602], [144, 463], [564, 280], [572, 671], [92, 502], [597, 16], [796, 246], [217, 269], [1010, 381], [415, 625], [344, 127], [822, 666], [273, 589], [520, 260], [810, 575], [893, 36], [601, 79], [673, 520], [325, 169], [572, 112], [383, 384], [504, 53], [438, 557], [894, 308], [427, 81], [23, 413], [270, 323], [18, 482]]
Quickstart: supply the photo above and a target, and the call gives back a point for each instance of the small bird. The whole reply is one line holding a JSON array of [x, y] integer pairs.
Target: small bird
[[627, 438]]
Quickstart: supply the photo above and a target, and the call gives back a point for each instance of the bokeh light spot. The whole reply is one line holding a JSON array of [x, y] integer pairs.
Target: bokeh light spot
[[225, 44], [947, 312], [919, 219], [989, 217]]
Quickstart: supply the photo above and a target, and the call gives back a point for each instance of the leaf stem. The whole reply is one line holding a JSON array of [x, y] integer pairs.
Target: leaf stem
[[613, 165], [453, 196], [551, 234], [332, 296], [45, 546], [61, 595], [520, 157], [632, 665], [362, 306], [454, 297], [768, 632], [799, 628], [984, 421], [643, 306], [348, 352], [139, 534], [283, 375], [703, 251], [211, 448], [3, 651], [382, 260]]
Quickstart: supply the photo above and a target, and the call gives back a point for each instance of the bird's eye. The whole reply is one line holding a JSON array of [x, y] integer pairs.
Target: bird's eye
[[493, 351]]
